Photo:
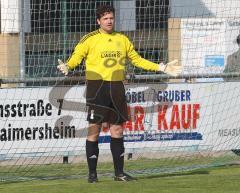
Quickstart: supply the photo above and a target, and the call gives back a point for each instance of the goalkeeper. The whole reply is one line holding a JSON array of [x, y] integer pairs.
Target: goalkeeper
[[105, 52]]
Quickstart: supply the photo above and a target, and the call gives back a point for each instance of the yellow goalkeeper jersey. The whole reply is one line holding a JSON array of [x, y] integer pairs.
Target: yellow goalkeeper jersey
[[105, 56]]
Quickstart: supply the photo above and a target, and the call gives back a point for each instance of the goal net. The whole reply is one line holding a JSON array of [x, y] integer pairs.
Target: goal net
[[177, 124]]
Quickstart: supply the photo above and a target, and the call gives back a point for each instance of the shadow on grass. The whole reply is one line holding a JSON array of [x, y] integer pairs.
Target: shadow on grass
[[203, 172], [138, 177], [200, 172], [42, 178]]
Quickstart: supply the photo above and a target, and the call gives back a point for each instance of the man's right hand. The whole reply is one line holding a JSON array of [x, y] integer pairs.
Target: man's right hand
[[62, 67]]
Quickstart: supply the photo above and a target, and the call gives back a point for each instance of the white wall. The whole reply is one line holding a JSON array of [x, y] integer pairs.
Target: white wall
[[205, 8], [11, 14], [208, 32], [125, 15]]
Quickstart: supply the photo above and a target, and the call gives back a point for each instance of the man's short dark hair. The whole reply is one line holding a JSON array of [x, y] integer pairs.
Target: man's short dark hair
[[238, 39], [103, 9]]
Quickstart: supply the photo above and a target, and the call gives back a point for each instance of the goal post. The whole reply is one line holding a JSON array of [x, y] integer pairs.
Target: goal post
[[177, 124]]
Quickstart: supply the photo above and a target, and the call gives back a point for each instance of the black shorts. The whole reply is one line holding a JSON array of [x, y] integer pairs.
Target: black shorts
[[106, 102]]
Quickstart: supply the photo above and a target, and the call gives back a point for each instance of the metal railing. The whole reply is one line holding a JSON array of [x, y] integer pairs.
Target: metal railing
[[129, 78]]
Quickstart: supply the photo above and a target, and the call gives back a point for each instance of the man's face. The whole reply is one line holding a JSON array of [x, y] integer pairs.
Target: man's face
[[106, 22]]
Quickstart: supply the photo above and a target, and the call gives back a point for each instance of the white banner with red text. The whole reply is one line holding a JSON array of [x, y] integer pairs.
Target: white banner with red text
[[166, 117]]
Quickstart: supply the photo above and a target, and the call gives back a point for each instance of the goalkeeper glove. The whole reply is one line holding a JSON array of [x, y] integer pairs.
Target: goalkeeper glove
[[62, 67], [171, 68]]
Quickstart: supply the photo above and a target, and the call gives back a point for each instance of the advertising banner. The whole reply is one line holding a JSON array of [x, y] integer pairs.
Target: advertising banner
[[52, 120]]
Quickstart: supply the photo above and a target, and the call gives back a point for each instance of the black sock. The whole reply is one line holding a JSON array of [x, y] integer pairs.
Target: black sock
[[92, 152], [117, 149]]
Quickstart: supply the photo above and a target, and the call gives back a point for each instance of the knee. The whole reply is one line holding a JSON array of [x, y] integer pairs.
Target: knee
[[116, 131], [92, 137], [93, 132]]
